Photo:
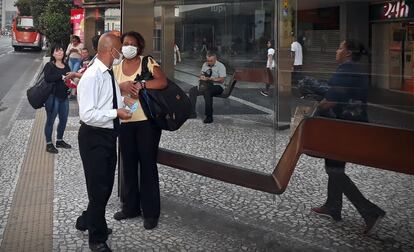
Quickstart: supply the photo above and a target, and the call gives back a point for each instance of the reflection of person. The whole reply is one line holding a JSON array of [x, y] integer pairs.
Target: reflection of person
[[177, 54], [270, 65], [74, 53], [297, 54], [349, 83], [100, 109], [324, 43], [139, 139], [204, 48], [57, 103], [212, 71]]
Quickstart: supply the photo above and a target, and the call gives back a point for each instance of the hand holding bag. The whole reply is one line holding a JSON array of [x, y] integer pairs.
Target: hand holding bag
[[40, 91], [166, 108]]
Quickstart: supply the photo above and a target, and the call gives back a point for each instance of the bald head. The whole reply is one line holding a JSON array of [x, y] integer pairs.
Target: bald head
[[108, 41], [109, 48]]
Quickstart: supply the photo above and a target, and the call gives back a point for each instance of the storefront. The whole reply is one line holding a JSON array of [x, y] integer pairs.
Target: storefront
[[392, 39]]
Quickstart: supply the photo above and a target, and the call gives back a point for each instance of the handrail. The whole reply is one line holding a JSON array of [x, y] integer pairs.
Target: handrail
[[365, 144]]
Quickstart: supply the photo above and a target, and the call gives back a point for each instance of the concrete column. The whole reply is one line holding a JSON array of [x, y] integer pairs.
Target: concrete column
[[139, 16], [167, 41]]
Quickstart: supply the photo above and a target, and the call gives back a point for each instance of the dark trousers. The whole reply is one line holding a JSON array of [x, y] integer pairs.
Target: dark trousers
[[139, 149], [296, 75], [98, 153], [54, 107], [209, 93], [339, 183]]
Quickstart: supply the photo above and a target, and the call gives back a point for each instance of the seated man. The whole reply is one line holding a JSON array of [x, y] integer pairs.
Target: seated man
[[212, 75]]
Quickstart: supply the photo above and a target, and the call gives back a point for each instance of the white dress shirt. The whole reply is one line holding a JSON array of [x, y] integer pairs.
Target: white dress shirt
[[95, 96]]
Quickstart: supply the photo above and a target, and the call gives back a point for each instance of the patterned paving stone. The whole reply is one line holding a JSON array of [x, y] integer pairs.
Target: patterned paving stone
[[202, 214]]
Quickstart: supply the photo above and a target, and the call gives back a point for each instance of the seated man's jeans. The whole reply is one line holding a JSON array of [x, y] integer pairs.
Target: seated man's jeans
[[209, 93]]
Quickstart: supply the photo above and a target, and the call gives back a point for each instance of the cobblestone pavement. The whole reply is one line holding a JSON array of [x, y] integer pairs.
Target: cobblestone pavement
[[202, 214]]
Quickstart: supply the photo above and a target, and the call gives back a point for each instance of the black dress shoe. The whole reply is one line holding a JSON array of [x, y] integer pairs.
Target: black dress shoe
[[81, 225], [122, 216], [150, 223], [99, 247]]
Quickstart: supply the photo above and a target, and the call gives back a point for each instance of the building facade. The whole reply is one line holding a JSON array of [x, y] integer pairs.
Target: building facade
[[8, 11]]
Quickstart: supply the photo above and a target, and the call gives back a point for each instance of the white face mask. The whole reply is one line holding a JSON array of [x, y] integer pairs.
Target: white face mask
[[129, 51], [118, 60]]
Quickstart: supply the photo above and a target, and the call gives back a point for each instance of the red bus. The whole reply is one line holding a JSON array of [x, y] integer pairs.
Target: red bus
[[25, 35]]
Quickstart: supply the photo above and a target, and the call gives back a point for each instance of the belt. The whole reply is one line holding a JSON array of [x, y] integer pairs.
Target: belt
[[97, 128]]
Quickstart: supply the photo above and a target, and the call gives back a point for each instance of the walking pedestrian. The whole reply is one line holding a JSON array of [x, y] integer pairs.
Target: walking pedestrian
[[139, 138], [297, 54], [100, 109], [57, 104], [348, 84], [270, 66]]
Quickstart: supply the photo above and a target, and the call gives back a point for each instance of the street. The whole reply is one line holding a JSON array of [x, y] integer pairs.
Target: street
[[17, 70]]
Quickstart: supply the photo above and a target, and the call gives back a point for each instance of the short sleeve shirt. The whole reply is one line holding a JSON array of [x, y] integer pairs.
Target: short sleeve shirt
[[270, 52], [138, 115], [297, 48], [218, 69]]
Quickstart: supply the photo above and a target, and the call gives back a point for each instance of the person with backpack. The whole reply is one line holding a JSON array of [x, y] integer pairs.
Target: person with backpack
[[139, 138]]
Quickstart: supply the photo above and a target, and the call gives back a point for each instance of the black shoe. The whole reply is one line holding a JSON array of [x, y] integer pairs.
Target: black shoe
[[122, 216], [99, 247], [209, 119], [326, 212], [81, 225], [150, 223], [51, 148], [373, 221], [63, 144]]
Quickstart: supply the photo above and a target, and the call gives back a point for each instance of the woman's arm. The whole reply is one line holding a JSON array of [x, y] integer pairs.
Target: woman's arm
[[159, 81]]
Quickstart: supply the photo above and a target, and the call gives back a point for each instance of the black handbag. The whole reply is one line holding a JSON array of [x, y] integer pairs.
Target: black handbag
[[40, 91], [166, 108]]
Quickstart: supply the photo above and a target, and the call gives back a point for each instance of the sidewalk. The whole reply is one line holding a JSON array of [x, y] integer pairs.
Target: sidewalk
[[197, 213]]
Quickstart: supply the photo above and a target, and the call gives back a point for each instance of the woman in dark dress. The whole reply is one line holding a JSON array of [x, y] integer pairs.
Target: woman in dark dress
[[57, 104]]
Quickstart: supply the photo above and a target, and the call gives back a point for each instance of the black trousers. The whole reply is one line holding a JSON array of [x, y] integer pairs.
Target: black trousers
[[339, 183], [296, 75], [209, 93], [97, 148], [139, 149]]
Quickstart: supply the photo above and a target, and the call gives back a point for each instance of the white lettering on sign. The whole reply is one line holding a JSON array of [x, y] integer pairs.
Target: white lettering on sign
[[218, 8], [396, 10]]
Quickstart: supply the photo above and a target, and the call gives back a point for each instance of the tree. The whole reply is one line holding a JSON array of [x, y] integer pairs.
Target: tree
[[24, 7], [37, 7], [54, 22]]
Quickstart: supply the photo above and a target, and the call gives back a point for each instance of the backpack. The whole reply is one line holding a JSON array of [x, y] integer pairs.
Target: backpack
[[166, 108]]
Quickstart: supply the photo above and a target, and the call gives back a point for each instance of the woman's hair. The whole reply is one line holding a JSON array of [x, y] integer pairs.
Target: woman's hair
[[53, 49], [138, 37], [95, 41], [75, 37], [271, 43], [356, 48]]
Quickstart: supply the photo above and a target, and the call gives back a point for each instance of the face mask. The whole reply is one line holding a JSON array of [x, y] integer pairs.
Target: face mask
[[118, 60], [129, 51]]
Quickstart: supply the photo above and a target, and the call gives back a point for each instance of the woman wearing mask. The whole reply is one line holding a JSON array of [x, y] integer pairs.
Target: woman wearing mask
[[56, 71], [139, 139], [74, 51], [348, 84]]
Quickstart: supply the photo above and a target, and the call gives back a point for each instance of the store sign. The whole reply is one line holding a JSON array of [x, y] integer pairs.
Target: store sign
[[402, 9]]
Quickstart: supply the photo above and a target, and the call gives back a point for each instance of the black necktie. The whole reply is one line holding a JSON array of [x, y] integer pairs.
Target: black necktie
[[114, 99]]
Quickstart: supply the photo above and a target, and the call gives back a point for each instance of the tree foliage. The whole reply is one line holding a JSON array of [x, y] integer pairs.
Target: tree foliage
[[24, 7], [37, 8], [54, 22]]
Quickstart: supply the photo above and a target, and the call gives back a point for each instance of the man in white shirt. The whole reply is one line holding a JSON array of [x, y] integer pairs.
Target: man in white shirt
[[297, 54], [100, 108], [270, 66]]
